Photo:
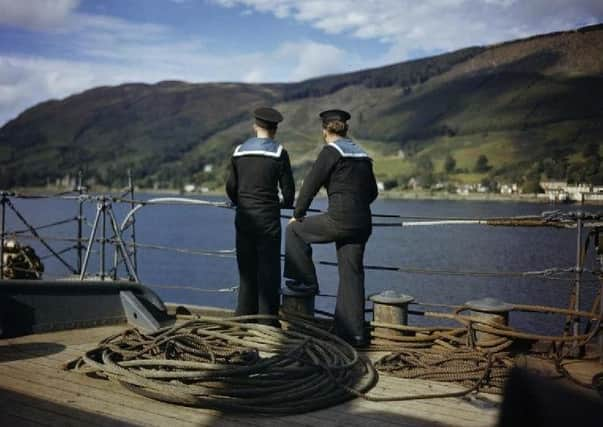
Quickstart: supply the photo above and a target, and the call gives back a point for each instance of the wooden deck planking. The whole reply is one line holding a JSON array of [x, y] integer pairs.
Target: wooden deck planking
[[8, 418], [105, 398], [31, 368], [135, 400], [49, 368], [42, 412], [388, 386]]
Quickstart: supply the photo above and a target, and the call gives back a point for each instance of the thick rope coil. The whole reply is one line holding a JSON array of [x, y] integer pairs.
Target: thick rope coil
[[227, 364], [477, 370]]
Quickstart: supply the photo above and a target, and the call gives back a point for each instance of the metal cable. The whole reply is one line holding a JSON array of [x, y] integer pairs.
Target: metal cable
[[547, 274], [60, 252], [544, 274], [227, 253], [40, 239], [546, 217], [41, 227], [194, 288]]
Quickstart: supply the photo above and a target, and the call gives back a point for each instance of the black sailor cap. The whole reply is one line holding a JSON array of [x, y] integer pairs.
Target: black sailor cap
[[267, 118], [330, 115]]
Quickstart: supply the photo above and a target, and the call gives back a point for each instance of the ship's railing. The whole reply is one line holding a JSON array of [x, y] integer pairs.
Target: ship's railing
[[105, 218], [83, 246], [125, 248]]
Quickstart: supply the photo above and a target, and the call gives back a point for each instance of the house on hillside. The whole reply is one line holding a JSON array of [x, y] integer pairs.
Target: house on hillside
[[577, 192], [413, 183], [509, 188], [559, 191], [555, 191], [595, 195]]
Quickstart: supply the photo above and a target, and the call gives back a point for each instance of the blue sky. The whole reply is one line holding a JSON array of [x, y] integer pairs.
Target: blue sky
[[50, 49]]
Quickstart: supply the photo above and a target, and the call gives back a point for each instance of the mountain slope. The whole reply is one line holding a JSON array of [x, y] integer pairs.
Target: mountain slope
[[533, 107]]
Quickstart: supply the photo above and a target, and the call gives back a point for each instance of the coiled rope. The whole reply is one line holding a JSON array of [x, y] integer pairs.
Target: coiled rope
[[470, 368], [453, 354], [230, 365]]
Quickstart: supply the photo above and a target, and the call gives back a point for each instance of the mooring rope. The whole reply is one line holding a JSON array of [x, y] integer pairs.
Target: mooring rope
[[230, 365], [470, 368], [454, 354]]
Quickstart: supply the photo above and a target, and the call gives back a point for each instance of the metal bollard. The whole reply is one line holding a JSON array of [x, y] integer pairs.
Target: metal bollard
[[489, 310], [300, 303], [390, 307]]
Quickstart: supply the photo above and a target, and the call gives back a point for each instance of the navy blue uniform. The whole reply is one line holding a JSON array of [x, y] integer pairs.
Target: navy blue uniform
[[258, 168], [347, 173]]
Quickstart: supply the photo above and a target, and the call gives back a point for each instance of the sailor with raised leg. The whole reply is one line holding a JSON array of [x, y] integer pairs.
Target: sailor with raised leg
[[258, 168], [346, 171]]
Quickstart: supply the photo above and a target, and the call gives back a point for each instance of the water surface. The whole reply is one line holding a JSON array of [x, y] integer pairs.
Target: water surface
[[456, 248]]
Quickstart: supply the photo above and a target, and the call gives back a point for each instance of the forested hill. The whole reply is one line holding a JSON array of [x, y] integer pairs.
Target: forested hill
[[528, 109]]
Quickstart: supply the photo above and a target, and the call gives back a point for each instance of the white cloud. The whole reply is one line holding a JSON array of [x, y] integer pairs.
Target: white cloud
[[27, 80], [36, 14], [432, 25], [254, 75], [110, 50], [314, 59]]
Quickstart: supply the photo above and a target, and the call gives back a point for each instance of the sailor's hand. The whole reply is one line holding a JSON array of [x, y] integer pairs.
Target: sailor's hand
[[293, 219]]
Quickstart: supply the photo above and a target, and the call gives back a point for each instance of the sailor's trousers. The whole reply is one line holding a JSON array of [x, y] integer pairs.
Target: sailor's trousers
[[350, 244], [259, 262]]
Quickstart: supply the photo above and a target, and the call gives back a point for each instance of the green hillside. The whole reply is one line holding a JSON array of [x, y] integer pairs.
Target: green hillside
[[533, 108]]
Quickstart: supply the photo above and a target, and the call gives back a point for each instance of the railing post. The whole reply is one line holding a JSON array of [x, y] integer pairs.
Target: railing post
[[80, 222], [91, 241], [2, 228], [103, 202], [599, 250], [133, 234], [579, 264], [601, 308]]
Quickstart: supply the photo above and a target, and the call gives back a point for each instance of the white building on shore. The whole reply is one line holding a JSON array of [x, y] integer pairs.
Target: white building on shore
[[561, 191]]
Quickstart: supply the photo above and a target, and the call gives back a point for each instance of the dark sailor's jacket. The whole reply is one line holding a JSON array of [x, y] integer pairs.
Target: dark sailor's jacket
[[346, 171], [258, 168]]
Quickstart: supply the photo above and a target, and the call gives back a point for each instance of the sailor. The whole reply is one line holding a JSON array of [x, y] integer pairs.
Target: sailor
[[346, 171], [258, 168]]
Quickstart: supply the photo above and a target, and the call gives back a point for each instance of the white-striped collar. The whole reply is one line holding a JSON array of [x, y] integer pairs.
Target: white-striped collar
[[357, 153], [243, 150]]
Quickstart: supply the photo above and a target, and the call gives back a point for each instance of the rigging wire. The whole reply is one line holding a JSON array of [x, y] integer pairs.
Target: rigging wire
[[41, 227], [552, 273], [546, 218]]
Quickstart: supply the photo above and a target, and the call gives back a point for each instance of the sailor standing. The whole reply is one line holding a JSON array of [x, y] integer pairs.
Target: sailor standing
[[346, 171], [258, 168]]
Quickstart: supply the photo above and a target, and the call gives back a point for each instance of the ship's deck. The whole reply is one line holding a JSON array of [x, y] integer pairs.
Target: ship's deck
[[35, 390]]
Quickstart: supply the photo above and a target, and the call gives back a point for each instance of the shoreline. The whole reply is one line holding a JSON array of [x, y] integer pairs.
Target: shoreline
[[472, 197], [384, 195]]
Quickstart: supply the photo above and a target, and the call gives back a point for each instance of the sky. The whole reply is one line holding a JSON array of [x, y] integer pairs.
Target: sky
[[50, 49]]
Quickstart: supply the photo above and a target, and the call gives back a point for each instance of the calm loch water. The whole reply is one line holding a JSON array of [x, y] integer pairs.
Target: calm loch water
[[457, 248]]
